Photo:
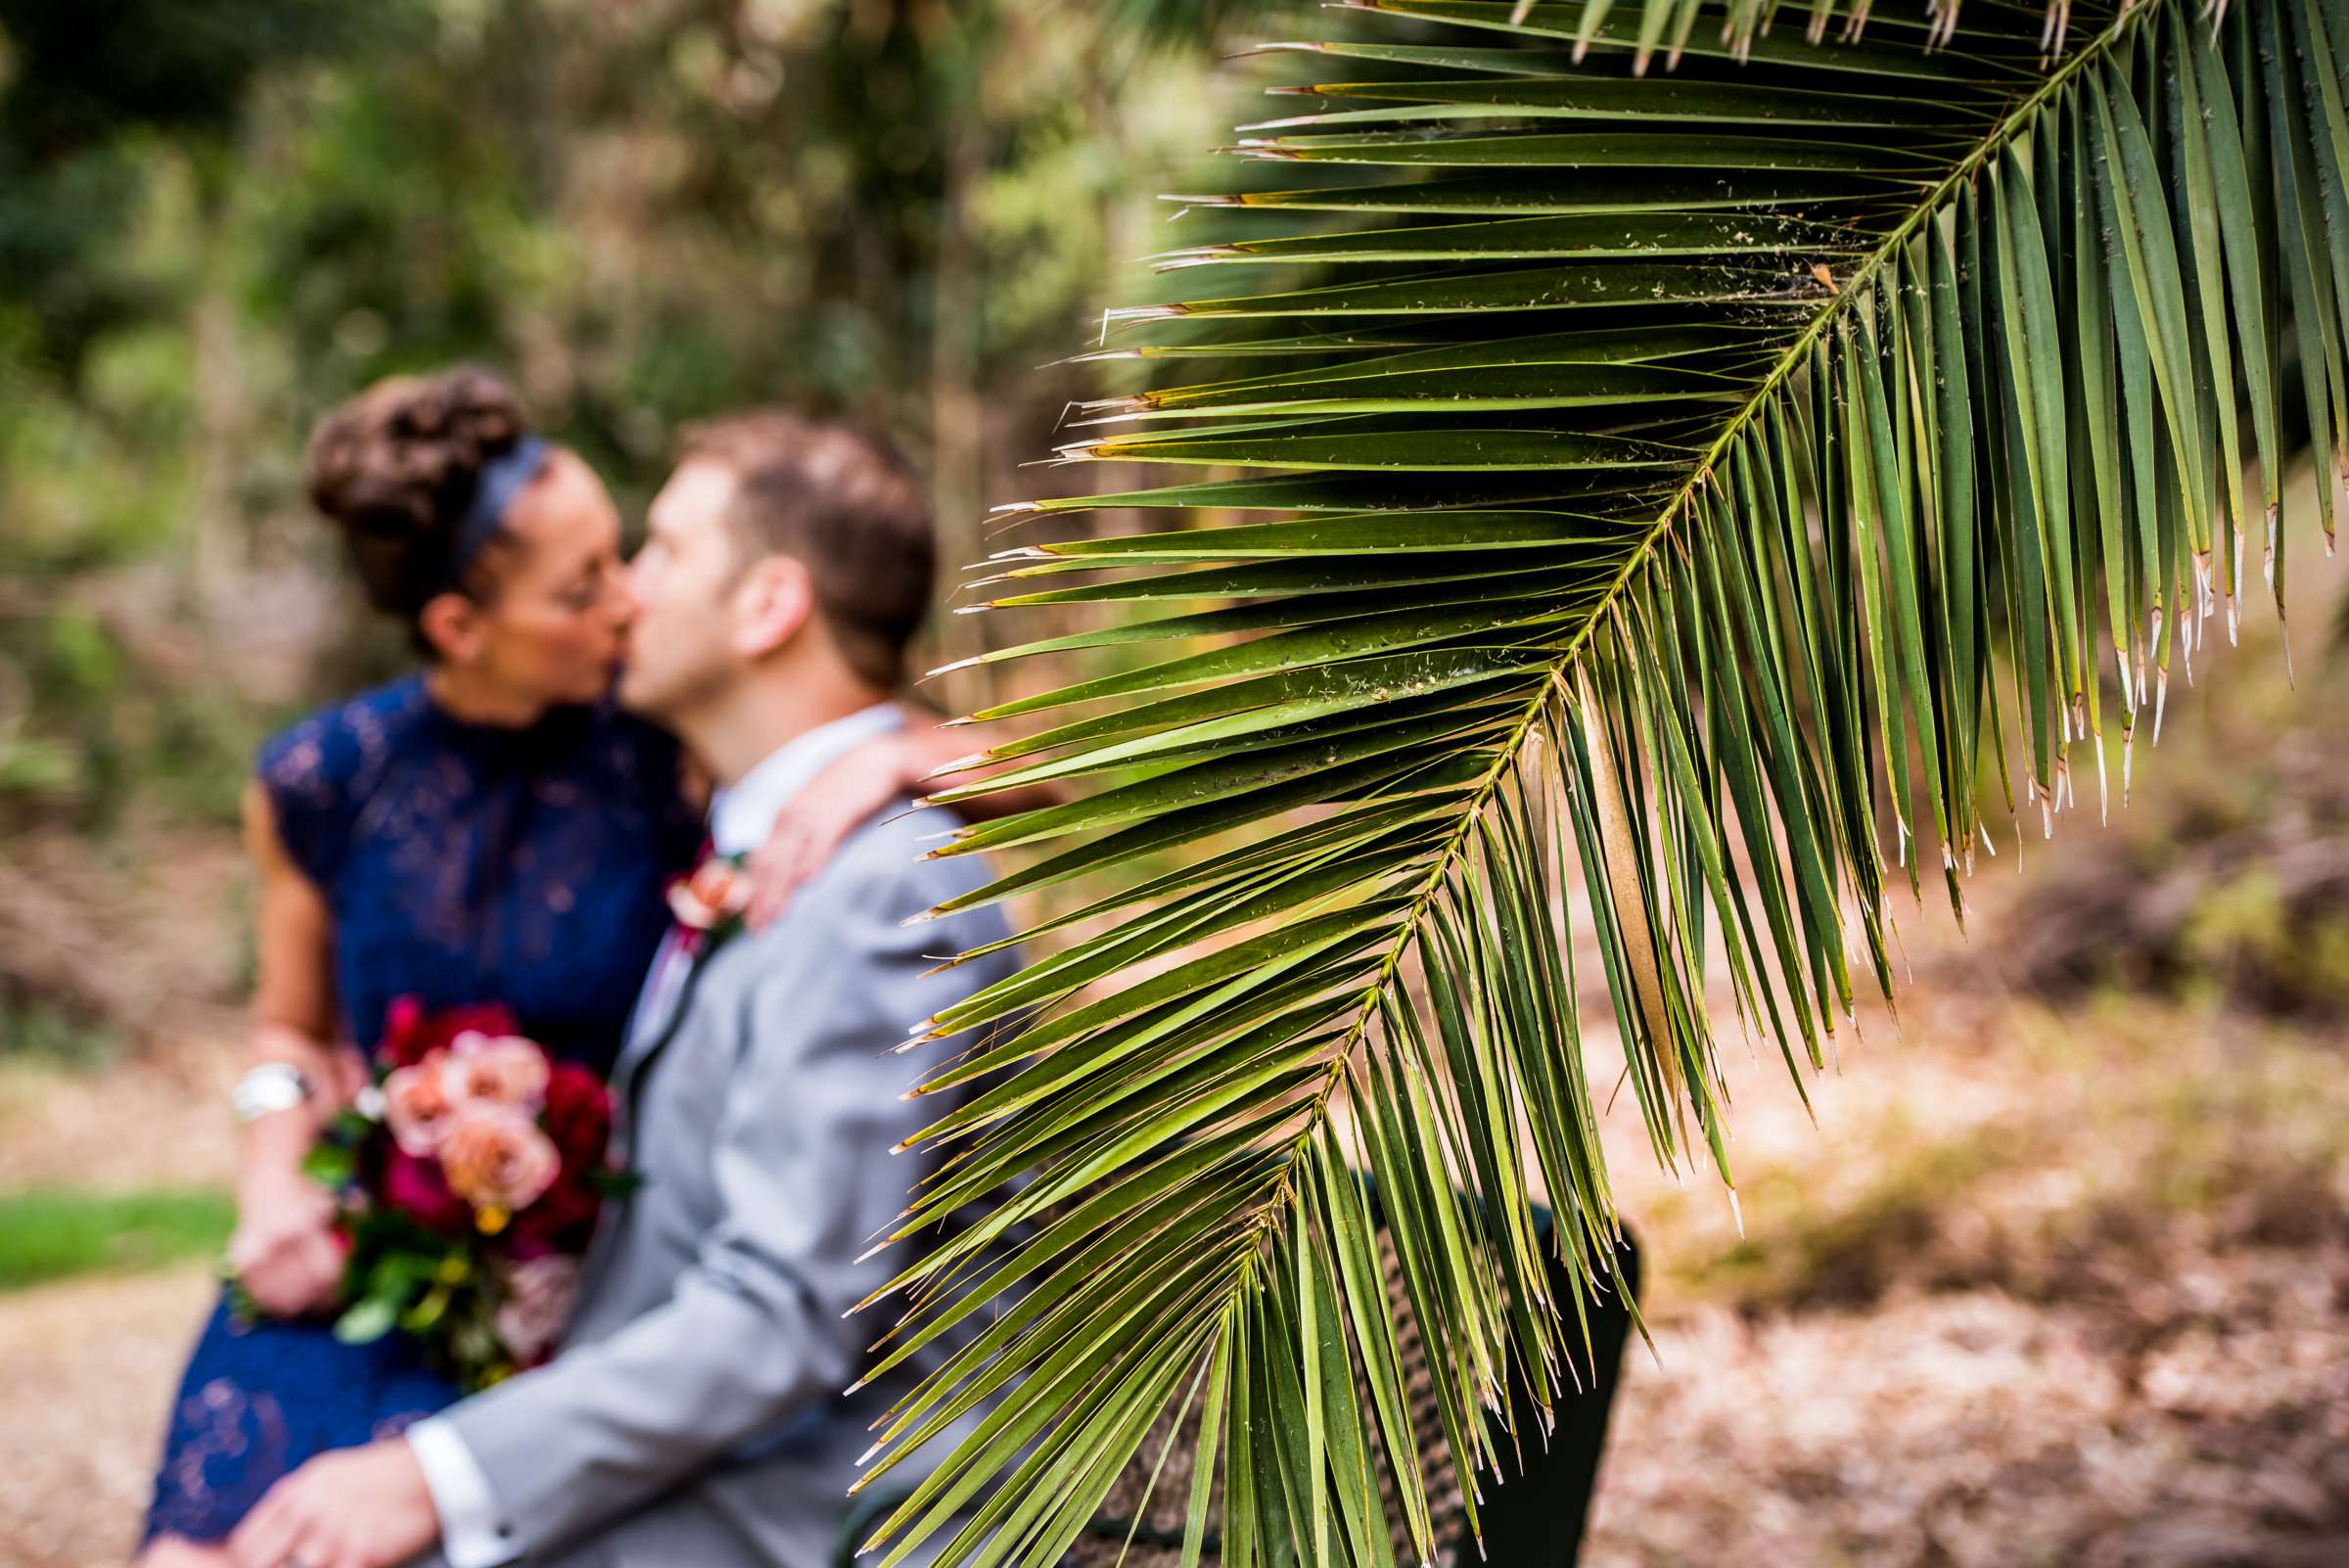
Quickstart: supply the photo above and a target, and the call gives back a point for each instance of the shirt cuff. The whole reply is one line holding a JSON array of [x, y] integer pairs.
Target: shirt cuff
[[472, 1535]]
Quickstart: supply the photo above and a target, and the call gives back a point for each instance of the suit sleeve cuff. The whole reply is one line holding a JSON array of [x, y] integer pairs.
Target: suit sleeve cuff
[[472, 1533]]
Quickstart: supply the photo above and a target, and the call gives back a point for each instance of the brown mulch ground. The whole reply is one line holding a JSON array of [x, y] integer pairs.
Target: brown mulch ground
[[143, 940], [159, 1119], [2200, 1417], [2039, 1287]]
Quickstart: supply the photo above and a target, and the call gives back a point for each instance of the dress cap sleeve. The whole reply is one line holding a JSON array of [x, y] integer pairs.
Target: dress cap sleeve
[[314, 774]]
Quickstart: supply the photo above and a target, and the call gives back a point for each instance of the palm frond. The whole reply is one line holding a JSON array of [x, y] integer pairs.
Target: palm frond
[[1697, 484]]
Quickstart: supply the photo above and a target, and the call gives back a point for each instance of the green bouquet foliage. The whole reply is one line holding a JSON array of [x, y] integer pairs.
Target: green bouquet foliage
[[1700, 480]]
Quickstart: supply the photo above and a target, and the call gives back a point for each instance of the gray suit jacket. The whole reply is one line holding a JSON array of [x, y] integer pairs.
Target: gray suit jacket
[[695, 1414]]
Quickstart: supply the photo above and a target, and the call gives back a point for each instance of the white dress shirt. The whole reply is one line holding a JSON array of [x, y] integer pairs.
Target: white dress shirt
[[742, 815]]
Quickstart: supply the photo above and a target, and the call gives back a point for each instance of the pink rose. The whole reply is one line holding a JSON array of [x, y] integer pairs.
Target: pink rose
[[501, 1070], [494, 1157], [718, 891], [539, 1297], [417, 1105]]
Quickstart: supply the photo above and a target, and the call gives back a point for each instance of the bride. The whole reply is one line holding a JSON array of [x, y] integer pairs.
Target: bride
[[491, 828]]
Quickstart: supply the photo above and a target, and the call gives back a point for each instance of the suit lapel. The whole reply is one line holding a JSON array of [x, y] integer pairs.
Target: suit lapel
[[656, 1027], [657, 1006], [662, 1018]]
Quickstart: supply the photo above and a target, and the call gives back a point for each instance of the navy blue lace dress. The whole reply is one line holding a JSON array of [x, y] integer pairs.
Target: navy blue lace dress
[[463, 863]]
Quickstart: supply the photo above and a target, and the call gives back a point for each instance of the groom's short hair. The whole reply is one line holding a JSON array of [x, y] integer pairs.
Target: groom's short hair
[[845, 502]]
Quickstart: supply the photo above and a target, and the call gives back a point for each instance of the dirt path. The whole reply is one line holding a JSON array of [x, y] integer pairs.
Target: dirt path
[[86, 1370], [87, 1365]]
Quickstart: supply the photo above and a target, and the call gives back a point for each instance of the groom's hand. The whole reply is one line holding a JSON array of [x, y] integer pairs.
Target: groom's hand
[[350, 1508]]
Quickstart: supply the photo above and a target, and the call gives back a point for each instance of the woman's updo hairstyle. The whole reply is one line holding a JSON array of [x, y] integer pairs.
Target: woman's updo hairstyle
[[397, 469]]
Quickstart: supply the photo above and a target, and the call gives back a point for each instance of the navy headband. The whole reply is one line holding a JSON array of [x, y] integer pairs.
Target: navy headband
[[502, 478]]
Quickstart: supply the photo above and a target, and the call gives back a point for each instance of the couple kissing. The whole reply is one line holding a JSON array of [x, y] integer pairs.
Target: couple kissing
[[506, 826]]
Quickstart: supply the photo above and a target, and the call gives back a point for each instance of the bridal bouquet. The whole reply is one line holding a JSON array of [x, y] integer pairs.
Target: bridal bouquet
[[471, 1171]]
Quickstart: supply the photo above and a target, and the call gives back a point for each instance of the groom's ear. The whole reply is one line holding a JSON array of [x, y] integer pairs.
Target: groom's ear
[[773, 602]]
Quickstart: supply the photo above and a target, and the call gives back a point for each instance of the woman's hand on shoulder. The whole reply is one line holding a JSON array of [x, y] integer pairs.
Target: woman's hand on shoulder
[[910, 761], [830, 807]]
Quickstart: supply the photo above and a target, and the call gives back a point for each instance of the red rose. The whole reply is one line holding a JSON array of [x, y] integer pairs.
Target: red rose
[[578, 1116], [416, 1188], [563, 1221], [411, 1033], [403, 1021]]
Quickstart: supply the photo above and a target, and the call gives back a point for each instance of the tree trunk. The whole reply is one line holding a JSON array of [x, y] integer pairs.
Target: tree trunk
[[957, 420], [221, 545]]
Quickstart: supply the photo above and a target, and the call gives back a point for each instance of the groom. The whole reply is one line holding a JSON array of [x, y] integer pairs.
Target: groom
[[695, 1417]]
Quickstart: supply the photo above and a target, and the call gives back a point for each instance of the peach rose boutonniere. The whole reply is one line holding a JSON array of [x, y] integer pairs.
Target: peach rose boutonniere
[[710, 901], [471, 1173]]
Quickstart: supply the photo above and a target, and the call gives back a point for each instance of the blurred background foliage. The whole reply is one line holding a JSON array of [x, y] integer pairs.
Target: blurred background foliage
[[218, 218]]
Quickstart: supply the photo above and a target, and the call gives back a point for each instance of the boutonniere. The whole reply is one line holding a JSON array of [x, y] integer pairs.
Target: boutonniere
[[709, 901]]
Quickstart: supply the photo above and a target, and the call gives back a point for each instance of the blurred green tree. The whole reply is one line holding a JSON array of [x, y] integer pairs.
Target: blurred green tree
[[218, 220], [81, 86]]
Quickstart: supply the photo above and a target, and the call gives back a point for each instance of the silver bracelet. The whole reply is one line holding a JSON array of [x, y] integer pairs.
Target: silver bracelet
[[268, 1088]]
